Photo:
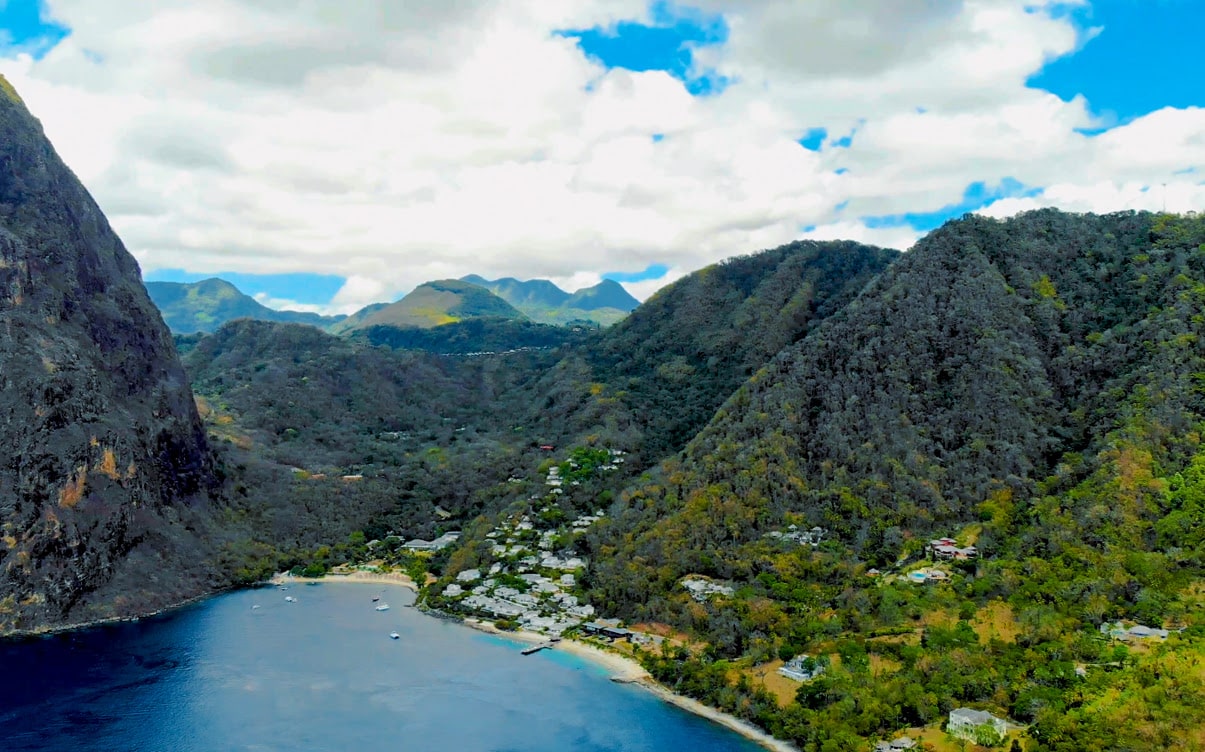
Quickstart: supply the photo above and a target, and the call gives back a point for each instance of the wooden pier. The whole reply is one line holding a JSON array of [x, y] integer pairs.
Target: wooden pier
[[537, 648]]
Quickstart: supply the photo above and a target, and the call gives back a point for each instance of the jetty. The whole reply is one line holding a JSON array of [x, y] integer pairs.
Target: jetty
[[537, 648]]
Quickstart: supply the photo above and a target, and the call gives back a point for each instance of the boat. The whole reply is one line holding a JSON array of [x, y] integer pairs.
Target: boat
[[383, 607], [394, 635], [255, 607], [290, 599], [376, 598]]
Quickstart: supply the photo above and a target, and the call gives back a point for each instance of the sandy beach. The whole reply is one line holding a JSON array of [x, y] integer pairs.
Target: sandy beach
[[622, 668], [628, 671], [370, 578]]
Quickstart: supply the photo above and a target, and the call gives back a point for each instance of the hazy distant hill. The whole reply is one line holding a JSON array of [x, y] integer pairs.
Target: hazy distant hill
[[353, 321], [444, 301], [542, 301], [204, 306], [606, 294], [519, 293]]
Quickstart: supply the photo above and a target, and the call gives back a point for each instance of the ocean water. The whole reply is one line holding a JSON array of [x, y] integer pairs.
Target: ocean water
[[322, 674]]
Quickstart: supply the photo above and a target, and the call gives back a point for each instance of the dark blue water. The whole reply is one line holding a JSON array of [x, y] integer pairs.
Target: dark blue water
[[322, 674]]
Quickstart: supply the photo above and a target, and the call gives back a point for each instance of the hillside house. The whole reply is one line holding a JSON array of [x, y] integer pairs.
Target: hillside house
[[947, 548], [701, 590], [975, 725], [1119, 631], [801, 668], [442, 542]]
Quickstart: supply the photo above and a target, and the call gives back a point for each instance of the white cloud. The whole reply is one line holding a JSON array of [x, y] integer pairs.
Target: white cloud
[[395, 143], [643, 289], [284, 304], [901, 238]]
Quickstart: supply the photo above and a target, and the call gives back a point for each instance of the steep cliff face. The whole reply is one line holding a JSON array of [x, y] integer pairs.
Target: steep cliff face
[[105, 474]]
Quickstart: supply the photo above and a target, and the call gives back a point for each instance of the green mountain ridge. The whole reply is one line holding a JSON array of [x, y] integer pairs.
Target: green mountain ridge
[[206, 305], [1029, 385], [540, 300], [440, 302]]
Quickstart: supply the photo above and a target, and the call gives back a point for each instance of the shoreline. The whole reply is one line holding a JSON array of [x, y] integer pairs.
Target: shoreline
[[47, 631], [625, 670], [364, 578]]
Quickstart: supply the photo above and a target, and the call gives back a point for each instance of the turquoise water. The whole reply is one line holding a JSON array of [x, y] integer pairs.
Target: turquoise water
[[322, 674]]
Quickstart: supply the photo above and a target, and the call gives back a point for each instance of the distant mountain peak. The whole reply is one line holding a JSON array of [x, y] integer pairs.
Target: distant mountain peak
[[541, 300], [189, 307], [442, 301], [606, 294]]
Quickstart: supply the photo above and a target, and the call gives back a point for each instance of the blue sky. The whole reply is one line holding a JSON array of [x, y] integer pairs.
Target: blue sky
[[310, 289], [742, 89], [666, 43], [653, 271], [1147, 56], [24, 27]]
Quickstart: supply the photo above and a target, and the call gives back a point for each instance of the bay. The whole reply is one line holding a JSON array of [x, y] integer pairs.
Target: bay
[[250, 671]]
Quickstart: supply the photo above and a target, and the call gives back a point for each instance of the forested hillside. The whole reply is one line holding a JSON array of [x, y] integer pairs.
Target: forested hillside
[[298, 409], [474, 336], [667, 367], [425, 425], [1030, 386]]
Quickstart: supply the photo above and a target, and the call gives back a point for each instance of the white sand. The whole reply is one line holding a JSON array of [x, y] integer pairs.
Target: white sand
[[370, 578], [628, 671]]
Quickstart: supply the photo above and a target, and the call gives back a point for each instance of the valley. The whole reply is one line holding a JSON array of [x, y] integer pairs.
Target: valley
[[1026, 388], [958, 493]]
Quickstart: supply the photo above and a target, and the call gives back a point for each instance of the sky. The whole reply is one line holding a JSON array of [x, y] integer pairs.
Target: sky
[[324, 155]]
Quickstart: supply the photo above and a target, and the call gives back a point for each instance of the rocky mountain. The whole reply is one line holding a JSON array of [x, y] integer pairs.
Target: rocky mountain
[[107, 474], [204, 306], [441, 302], [542, 301]]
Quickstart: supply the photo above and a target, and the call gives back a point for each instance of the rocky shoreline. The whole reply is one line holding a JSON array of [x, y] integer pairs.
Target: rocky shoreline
[[48, 630]]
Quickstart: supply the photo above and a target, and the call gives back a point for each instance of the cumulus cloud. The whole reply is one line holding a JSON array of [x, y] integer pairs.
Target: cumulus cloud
[[395, 143]]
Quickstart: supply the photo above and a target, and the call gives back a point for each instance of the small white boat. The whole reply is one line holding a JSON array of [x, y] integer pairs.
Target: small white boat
[[394, 635], [383, 607], [290, 599], [255, 607]]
